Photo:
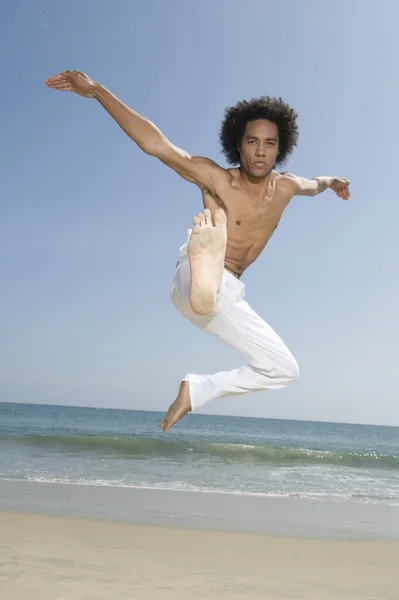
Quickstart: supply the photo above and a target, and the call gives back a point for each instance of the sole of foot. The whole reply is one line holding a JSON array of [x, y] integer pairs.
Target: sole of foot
[[206, 253]]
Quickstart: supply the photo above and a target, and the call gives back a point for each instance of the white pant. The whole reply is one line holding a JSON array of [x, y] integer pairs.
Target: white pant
[[270, 363]]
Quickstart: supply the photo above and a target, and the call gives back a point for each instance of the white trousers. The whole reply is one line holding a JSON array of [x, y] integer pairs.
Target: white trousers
[[270, 363]]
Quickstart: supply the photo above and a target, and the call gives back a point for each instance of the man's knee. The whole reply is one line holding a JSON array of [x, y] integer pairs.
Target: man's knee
[[290, 369], [285, 369]]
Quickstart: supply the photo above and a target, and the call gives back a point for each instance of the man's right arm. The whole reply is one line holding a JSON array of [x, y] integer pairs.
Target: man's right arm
[[151, 140], [201, 171]]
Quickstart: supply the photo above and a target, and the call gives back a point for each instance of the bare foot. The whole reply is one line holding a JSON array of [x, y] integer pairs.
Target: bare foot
[[180, 407], [206, 253]]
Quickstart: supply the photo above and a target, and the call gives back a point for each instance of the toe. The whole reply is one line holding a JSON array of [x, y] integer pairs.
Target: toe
[[196, 223], [201, 217], [208, 217]]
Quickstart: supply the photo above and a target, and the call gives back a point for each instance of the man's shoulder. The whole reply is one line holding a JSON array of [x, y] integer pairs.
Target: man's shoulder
[[284, 175], [288, 180], [217, 169], [226, 177], [233, 176]]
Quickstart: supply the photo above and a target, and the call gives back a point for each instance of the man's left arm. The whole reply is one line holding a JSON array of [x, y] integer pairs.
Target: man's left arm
[[317, 185]]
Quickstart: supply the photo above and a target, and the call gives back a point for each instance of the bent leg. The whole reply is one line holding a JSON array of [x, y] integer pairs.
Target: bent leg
[[270, 364]]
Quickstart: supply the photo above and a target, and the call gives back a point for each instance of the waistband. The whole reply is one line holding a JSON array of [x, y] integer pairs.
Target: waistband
[[232, 272]]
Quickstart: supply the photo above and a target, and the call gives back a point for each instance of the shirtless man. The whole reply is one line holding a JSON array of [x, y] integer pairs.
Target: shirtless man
[[242, 208]]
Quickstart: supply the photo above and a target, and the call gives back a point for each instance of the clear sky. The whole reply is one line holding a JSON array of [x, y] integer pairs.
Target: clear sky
[[90, 226]]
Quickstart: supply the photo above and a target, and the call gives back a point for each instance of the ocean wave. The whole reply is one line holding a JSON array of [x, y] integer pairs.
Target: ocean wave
[[144, 448]]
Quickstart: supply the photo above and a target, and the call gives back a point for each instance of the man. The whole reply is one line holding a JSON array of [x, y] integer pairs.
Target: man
[[242, 208]]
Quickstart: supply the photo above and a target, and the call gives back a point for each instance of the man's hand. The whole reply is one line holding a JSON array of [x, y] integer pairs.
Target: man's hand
[[340, 186], [73, 81]]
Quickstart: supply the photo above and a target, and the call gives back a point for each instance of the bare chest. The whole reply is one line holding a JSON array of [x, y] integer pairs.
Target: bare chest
[[250, 216]]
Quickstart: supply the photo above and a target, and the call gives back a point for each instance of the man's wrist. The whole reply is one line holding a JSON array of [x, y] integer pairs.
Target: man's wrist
[[330, 181], [325, 181], [98, 90]]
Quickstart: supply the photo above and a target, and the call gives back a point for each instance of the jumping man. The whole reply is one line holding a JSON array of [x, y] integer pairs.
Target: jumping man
[[242, 207]]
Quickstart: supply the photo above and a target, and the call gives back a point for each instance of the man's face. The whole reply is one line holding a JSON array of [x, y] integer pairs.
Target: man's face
[[259, 148]]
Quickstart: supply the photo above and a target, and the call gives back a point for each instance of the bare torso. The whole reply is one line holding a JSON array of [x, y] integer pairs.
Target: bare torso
[[251, 217]]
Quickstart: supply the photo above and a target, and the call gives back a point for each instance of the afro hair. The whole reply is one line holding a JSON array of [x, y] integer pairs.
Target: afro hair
[[272, 109]]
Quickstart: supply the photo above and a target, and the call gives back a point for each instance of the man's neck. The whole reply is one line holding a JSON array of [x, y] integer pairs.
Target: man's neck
[[255, 185]]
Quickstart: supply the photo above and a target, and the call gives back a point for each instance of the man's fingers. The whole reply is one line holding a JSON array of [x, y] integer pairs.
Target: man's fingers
[[56, 78], [57, 82], [62, 87], [61, 83]]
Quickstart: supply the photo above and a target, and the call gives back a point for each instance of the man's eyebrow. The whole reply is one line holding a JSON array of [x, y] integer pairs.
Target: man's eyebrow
[[255, 137]]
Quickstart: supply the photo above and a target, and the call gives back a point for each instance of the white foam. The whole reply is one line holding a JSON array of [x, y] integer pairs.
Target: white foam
[[185, 487]]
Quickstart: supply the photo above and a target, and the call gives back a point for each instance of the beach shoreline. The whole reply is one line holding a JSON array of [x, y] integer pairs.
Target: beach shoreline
[[276, 516]]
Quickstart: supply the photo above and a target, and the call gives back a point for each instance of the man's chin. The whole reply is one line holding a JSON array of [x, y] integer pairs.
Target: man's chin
[[259, 173]]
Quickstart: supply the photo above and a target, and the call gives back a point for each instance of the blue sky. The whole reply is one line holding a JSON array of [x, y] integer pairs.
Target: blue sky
[[90, 226]]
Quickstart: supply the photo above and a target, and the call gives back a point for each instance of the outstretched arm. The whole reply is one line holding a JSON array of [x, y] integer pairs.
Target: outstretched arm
[[198, 170], [317, 185]]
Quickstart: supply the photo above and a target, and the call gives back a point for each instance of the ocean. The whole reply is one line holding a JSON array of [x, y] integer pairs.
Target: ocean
[[215, 454]]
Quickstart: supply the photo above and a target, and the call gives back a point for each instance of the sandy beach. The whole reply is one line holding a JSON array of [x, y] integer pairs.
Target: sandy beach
[[53, 557]]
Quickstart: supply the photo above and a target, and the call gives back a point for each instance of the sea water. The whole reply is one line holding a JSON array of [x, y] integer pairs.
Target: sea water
[[242, 456]]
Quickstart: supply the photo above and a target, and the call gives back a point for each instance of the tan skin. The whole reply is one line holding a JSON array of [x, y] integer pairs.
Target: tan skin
[[254, 196]]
